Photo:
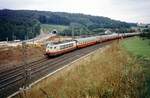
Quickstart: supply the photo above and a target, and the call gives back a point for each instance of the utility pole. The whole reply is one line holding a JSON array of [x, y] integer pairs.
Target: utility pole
[[72, 32], [12, 36], [26, 70], [27, 75], [118, 37], [32, 31], [7, 39]]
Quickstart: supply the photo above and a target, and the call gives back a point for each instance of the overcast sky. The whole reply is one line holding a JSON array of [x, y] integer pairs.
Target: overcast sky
[[125, 10]]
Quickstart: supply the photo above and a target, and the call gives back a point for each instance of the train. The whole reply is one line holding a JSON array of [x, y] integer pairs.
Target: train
[[59, 48]]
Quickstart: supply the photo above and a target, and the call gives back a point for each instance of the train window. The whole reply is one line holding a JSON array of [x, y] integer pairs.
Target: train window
[[66, 46], [62, 47], [54, 47], [71, 44]]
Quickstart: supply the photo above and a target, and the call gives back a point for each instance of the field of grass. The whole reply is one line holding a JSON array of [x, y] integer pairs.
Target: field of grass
[[141, 49], [138, 46], [48, 28], [112, 73]]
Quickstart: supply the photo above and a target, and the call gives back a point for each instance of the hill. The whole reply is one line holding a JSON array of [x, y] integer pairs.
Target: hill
[[16, 24]]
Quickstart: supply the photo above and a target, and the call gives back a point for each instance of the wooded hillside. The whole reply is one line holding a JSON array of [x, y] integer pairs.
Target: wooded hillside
[[16, 24]]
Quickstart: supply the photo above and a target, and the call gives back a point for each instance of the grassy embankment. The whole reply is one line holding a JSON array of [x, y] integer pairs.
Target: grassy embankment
[[111, 74], [138, 47], [141, 50]]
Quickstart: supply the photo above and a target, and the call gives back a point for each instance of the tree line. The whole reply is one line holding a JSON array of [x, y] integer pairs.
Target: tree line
[[17, 24]]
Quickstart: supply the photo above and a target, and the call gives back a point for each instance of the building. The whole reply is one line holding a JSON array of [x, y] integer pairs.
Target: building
[[108, 32]]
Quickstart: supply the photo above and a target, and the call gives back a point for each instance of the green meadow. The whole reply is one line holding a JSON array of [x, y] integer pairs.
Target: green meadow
[[138, 46]]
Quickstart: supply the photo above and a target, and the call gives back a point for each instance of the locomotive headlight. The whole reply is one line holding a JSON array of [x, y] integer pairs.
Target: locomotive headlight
[[47, 49]]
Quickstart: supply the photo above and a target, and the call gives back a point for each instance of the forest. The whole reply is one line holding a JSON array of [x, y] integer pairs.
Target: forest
[[24, 24]]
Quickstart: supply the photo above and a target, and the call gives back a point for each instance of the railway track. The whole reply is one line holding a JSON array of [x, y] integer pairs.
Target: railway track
[[11, 80]]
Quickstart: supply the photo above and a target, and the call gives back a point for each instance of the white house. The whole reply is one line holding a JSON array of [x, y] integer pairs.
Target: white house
[[108, 32]]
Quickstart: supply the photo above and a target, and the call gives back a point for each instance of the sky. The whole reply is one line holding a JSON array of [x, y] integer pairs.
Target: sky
[[137, 11]]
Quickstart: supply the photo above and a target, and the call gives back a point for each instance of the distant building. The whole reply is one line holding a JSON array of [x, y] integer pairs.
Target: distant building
[[148, 25], [108, 32], [141, 25], [135, 29], [17, 40]]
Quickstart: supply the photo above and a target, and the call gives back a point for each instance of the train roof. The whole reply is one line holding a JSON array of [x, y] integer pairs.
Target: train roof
[[61, 42], [86, 38]]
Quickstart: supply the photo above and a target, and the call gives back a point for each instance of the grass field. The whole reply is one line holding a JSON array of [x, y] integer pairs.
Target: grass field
[[141, 49], [108, 74], [49, 28], [138, 47]]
